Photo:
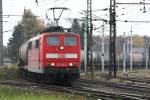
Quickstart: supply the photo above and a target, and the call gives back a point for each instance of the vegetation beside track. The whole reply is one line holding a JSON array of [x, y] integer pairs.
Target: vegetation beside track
[[9, 72], [17, 93], [144, 74], [98, 75], [136, 73]]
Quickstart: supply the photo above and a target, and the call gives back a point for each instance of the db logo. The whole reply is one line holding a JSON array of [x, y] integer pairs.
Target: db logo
[[61, 55]]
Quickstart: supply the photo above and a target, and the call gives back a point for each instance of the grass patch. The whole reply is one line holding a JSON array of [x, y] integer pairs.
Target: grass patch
[[98, 75], [14, 93], [136, 73], [95, 75], [9, 72]]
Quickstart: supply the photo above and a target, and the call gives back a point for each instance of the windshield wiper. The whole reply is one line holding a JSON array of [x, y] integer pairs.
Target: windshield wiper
[[67, 44]]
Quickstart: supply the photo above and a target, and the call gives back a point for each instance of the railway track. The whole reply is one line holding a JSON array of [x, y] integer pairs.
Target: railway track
[[77, 90], [134, 90], [145, 89], [136, 79]]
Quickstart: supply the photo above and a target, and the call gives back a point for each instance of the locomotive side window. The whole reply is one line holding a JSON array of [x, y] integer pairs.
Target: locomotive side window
[[53, 41], [70, 41], [37, 43], [33, 44], [30, 45]]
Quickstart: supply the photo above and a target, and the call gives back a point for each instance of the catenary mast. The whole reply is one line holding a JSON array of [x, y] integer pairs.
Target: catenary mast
[[1, 35]]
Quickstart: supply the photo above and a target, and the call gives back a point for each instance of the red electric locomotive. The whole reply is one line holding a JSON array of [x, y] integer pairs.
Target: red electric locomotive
[[53, 56]]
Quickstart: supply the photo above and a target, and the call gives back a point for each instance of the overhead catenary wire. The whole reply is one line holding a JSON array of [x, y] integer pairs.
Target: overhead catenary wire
[[133, 21], [37, 1], [8, 31], [132, 3], [96, 18], [16, 15], [49, 3]]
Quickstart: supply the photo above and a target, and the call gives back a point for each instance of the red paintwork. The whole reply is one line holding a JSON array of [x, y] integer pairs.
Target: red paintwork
[[37, 57]]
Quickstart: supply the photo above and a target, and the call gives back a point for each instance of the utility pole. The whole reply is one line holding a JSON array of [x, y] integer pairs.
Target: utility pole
[[146, 68], [89, 35], [103, 48], [112, 45], [131, 68], [124, 55], [1, 35], [85, 52], [146, 47]]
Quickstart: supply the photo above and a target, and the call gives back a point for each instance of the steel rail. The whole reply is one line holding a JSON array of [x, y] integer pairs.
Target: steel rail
[[142, 89], [136, 79], [118, 85]]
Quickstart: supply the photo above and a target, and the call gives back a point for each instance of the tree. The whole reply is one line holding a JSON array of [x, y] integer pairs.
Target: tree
[[75, 26], [138, 41], [80, 29], [26, 28], [31, 25], [14, 42], [5, 51]]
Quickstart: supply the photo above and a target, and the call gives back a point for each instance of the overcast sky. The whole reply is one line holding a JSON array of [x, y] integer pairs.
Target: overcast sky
[[124, 12]]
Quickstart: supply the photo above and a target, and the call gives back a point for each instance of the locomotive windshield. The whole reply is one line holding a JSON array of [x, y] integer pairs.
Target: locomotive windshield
[[70, 41], [53, 41]]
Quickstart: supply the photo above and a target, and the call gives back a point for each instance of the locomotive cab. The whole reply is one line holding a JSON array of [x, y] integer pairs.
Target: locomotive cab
[[61, 54], [62, 51]]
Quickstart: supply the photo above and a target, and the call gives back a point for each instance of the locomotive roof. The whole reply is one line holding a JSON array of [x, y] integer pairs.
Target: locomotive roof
[[52, 33], [59, 33]]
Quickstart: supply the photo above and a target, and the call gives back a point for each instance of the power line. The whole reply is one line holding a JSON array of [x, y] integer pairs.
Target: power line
[[7, 31], [16, 15], [3, 21], [134, 3], [36, 1], [140, 3], [105, 9], [133, 21], [97, 18], [49, 3], [63, 2]]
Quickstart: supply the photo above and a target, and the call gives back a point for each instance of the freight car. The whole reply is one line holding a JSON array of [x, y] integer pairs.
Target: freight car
[[51, 56]]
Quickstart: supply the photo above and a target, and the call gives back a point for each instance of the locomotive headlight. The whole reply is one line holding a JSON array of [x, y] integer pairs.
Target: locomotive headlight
[[61, 47], [70, 64], [52, 64]]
